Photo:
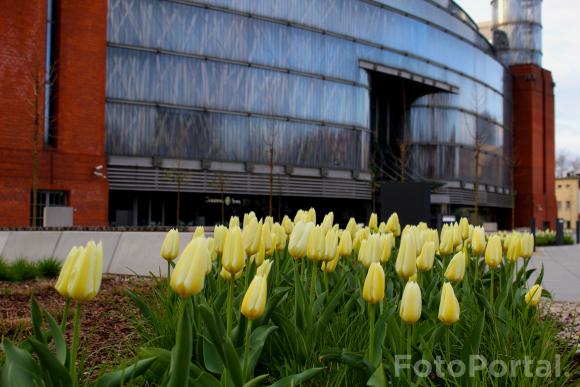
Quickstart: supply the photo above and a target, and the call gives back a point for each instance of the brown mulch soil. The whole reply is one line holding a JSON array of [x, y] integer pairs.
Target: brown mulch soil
[[567, 316], [107, 334]]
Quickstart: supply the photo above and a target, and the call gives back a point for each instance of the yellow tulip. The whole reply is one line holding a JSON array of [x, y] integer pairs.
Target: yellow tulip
[[211, 249], [493, 252], [226, 275], [422, 226], [514, 251], [65, 273], [329, 266], [83, 281], [330, 245], [405, 265], [287, 224], [315, 249], [527, 248], [234, 222], [189, 274], [345, 244], [199, 233], [478, 241], [456, 235], [248, 218], [311, 215], [383, 228], [299, 239], [446, 246], [301, 216], [373, 222], [260, 254], [449, 306], [264, 268], [351, 227], [269, 239], [219, 236], [363, 253], [374, 286], [254, 301], [456, 268], [427, 257], [170, 246], [410, 309], [280, 236], [234, 256], [534, 295], [374, 248], [464, 228], [431, 235], [327, 222], [269, 221], [387, 243], [251, 235], [393, 224]]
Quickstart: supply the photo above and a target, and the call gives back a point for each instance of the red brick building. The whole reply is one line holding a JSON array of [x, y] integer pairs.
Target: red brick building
[[73, 148], [54, 103]]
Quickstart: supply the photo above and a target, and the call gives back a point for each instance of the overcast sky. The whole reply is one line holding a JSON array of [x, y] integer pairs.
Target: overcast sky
[[561, 47]]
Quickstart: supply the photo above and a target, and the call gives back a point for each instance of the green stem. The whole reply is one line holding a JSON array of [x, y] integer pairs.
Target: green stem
[[476, 267], [491, 289], [313, 283], [371, 309], [447, 345], [168, 280], [75, 345], [409, 351], [65, 315], [246, 351], [296, 279], [229, 306], [326, 280]]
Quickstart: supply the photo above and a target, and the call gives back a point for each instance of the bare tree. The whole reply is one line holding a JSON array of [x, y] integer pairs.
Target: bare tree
[[562, 164]]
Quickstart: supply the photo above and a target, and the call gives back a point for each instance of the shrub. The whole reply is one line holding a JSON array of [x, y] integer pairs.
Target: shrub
[[4, 270], [48, 267], [23, 270]]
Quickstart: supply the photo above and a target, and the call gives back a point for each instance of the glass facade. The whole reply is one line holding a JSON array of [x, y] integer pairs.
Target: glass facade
[[222, 80]]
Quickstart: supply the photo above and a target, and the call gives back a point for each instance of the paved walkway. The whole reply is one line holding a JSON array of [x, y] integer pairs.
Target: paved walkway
[[561, 271]]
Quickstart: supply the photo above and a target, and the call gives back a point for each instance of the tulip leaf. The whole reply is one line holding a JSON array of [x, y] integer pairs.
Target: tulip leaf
[[181, 352], [351, 359], [296, 379], [120, 377], [257, 341], [19, 368], [378, 379], [232, 361], [58, 337], [380, 333], [215, 336], [211, 357], [56, 371], [36, 320], [540, 276], [257, 381], [201, 378], [333, 301], [143, 307], [293, 336]]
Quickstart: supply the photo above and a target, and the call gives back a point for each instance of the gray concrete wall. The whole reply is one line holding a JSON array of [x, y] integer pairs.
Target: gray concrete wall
[[123, 252]]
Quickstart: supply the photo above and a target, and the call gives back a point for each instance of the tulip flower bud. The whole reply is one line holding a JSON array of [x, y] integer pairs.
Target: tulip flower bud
[[280, 236], [315, 249], [170, 246], [264, 268], [506, 242], [383, 228], [260, 254], [327, 222], [311, 215], [422, 226], [373, 222], [363, 253], [449, 306], [219, 236], [351, 226], [199, 233], [330, 245], [65, 273], [251, 235], [387, 243], [493, 252], [83, 278], [534, 295], [405, 265], [268, 239], [233, 256], [301, 216], [427, 257], [456, 235], [328, 267], [374, 248], [374, 286], [254, 301], [433, 236], [471, 228], [464, 228], [234, 222], [269, 221], [393, 224], [514, 248], [287, 224], [189, 274], [478, 241], [345, 244], [227, 276], [212, 252], [299, 239], [456, 268], [527, 248], [410, 309], [446, 246], [248, 218]]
